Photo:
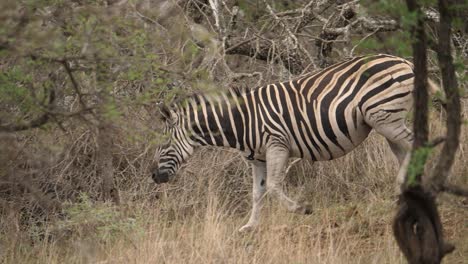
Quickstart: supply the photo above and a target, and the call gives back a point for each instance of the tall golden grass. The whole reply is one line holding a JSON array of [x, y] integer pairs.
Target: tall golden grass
[[195, 218]]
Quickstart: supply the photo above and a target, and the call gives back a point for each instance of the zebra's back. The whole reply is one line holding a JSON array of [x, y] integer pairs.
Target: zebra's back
[[327, 114]]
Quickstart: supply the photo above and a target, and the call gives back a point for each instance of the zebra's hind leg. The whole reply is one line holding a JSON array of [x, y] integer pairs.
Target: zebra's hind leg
[[399, 138], [398, 150], [403, 156], [258, 192], [276, 158]]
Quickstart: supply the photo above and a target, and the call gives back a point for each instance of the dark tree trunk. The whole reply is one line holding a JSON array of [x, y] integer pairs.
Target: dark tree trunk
[[420, 81], [325, 42], [417, 226], [105, 167], [453, 121]]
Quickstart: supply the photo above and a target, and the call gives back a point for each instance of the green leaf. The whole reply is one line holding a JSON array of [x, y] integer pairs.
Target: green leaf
[[416, 165]]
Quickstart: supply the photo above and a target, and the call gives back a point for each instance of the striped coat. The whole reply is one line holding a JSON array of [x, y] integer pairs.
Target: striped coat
[[322, 116]]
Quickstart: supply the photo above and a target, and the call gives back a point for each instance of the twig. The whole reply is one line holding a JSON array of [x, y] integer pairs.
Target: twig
[[246, 75], [362, 40], [214, 7], [232, 23], [455, 190], [232, 47], [43, 119], [436, 141], [291, 164], [152, 21], [75, 85], [40, 121], [291, 35]]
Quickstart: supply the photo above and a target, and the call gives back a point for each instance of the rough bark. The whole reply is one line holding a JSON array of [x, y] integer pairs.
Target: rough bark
[[417, 226], [420, 81], [453, 121], [105, 141], [105, 167]]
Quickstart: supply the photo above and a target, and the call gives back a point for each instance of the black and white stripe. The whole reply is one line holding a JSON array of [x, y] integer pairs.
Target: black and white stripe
[[318, 117]]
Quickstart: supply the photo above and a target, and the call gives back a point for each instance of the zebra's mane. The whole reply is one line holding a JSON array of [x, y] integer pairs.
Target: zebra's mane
[[237, 91]]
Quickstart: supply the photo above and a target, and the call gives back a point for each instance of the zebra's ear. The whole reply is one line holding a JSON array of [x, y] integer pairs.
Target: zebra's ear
[[165, 112], [167, 115]]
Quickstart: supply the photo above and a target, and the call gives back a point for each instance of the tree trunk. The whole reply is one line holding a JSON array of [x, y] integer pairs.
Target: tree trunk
[[105, 168], [417, 226]]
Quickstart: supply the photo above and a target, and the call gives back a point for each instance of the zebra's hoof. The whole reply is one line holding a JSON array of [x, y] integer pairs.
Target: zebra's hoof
[[246, 229], [305, 209]]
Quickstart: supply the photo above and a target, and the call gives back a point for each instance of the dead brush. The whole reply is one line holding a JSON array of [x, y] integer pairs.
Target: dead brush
[[194, 217]]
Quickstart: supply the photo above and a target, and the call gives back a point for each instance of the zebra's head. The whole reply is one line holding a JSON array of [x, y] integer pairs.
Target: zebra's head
[[177, 149]]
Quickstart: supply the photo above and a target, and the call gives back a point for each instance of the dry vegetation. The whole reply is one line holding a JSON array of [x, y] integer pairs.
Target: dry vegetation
[[52, 206], [195, 218]]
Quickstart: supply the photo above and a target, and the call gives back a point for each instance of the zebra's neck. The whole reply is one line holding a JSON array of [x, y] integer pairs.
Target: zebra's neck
[[229, 119]]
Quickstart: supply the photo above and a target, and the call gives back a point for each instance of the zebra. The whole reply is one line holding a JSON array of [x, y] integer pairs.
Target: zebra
[[321, 116]]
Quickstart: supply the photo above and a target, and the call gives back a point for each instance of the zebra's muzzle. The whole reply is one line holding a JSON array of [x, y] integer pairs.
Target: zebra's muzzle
[[160, 177]]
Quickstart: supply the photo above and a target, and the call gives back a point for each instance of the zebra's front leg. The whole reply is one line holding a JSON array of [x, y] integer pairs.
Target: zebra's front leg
[[277, 158], [258, 192]]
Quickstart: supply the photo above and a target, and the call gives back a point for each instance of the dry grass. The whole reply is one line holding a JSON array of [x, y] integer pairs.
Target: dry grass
[[195, 218]]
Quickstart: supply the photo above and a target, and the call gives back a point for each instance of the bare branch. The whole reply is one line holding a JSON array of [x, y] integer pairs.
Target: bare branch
[[455, 190], [335, 26], [292, 37], [260, 49], [286, 27], [435, 142], [232, 47], [42, 199], [351, 53], [291, 165], [152, 21], [39, 121], [215, 10], [232, 22], [75, 85], [371, 24]]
